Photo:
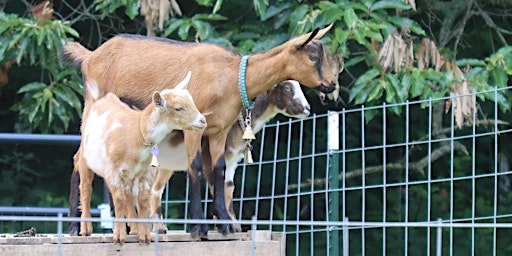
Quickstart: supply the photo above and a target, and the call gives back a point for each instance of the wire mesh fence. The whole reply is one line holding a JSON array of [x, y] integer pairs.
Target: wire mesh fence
[[400, 176], [418, 178]]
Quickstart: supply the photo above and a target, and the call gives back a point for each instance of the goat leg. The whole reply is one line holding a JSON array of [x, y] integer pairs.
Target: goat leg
[[74, 200], [219, 204], [196, 210]]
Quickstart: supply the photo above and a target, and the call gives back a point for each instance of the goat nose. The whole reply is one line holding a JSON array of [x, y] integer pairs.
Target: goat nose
[[307, 108], [203, 121]]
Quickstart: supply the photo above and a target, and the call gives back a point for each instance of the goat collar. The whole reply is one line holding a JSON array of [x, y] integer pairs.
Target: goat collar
[[145, 143], [242, 88]]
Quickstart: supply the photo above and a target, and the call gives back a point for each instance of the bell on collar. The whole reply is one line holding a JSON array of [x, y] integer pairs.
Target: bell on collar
[[248, 156], [248, 134], [154, 161]]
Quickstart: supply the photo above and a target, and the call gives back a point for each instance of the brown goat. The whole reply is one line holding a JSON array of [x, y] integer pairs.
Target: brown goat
[[117, 145], [133, 66]]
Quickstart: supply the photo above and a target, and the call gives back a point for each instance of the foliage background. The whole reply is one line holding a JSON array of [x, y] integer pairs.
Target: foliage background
[[467, 43]]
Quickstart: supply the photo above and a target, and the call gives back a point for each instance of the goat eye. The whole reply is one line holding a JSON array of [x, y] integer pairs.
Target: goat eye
[[313, 57], [178, 109], [287, 89]]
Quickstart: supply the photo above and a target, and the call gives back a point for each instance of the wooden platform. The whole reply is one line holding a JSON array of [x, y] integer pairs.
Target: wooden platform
[[173, 243]]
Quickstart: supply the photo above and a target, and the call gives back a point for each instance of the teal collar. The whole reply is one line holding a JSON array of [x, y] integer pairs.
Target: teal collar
[[241, 84]]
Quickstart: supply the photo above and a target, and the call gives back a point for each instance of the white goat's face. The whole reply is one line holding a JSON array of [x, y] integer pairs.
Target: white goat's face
[[177, 107], [289, 99]]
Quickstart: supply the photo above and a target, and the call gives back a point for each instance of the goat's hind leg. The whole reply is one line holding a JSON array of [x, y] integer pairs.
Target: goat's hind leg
[[74, 198], [86, 177]]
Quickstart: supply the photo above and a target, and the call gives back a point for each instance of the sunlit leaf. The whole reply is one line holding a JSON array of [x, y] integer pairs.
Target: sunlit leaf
[[350, 18], [390, 4]]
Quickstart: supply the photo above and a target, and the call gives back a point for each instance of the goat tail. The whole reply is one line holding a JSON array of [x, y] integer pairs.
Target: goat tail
[[75, 52]]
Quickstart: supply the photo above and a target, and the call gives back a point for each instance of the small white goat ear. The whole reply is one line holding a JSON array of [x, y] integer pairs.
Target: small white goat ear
[[183, 84], [159, 101]]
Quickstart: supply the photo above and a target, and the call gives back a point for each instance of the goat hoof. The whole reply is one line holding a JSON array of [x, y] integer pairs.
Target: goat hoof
[[119, 240], [225, 229], [198, 230], [144, 239], [237, 228], [74, 228], [160, 228]]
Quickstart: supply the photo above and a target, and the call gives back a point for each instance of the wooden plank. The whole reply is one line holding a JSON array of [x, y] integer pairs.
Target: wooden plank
[[210, 248], [176, 236], [266, 243]]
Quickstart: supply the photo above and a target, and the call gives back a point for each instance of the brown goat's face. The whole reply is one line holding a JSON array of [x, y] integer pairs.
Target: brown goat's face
[[309, 62], [177, 107], [289, 99]]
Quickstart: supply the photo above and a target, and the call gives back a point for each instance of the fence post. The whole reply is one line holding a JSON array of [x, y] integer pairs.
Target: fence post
[[439, 245], [333, 182]]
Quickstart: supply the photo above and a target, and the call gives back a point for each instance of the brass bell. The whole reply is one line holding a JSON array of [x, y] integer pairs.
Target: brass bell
[[248, 134]]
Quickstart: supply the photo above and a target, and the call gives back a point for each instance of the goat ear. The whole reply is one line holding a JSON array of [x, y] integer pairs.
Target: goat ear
[[183, 84], [159, 102]]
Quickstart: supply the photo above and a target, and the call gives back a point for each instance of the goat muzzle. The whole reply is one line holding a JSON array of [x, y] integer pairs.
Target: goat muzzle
[[326, 89]]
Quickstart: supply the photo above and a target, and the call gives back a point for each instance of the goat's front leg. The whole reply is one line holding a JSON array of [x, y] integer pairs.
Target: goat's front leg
[[195, 168], [162, 176], [143, 211], [217, 145], [119, 197]]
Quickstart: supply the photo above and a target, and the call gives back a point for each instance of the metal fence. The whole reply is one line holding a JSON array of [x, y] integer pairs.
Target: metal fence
[[412, 180]]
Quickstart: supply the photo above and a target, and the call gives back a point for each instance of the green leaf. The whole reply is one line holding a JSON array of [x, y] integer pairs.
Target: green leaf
[[217, 6], [359, 36], [66, 95], [201, 27], [350, 18], [369, 114], [132, 10], [353, 61], [397, 88], [260, 6], [403, 22], [376, 93], [296, 19], [390, 4], [21, 48], [204, 2], [331, 11], [282, 18], [203, 16], [499, 77], [373, 35], [341, 35], [183, 30], [470, 62], [368, 76], [175, 24], [31, 87], [275, 10]]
